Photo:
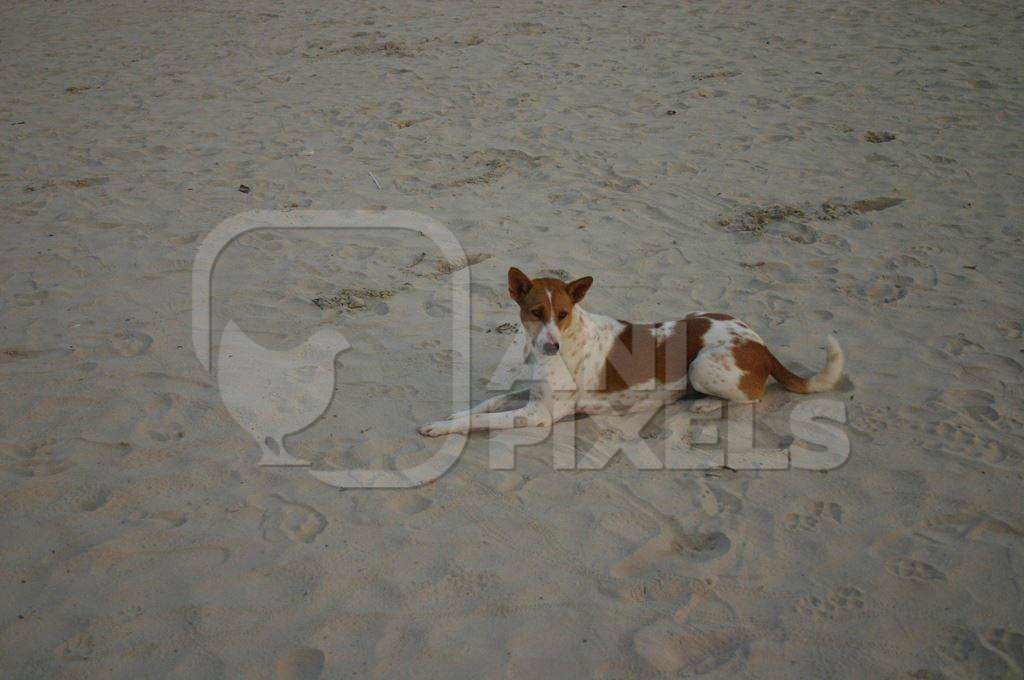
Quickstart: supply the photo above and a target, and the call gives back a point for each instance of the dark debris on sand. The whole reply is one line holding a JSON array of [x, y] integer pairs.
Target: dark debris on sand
[[878, 137], [350, 299], [756, 219]]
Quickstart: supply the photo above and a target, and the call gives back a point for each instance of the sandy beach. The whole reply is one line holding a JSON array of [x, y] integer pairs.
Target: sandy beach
[[849, 168]]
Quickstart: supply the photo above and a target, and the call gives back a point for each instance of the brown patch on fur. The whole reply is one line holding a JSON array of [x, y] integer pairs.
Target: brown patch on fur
[[538, 307], [518, 284], [637, 356], [544, 299], [754, 360], [791, 381], [757, 363]]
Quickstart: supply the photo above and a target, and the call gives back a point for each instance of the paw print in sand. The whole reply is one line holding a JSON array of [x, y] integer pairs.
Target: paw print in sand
[[839, 600], [815, 513], [905, 567]]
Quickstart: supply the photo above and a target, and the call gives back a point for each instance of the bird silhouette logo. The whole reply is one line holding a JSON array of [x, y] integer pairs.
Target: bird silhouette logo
[[274, 393]]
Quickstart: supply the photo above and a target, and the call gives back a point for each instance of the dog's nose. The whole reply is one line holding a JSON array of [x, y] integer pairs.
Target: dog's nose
[[550, 348]]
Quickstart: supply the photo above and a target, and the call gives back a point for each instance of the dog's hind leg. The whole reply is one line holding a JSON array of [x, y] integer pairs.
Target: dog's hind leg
[[716, 373]]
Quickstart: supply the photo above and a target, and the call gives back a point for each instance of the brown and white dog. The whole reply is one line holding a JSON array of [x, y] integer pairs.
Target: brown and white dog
[[616, 366]]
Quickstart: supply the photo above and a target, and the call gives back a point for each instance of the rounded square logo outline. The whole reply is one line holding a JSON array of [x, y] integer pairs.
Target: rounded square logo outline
[[227, 231]]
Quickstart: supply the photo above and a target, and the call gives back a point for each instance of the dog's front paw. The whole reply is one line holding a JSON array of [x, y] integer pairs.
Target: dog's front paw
[[436, 429]]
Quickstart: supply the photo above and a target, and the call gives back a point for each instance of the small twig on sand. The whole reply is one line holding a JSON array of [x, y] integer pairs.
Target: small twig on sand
[[375, 181]]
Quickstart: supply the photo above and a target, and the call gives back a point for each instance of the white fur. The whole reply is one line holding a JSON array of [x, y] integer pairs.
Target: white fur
[[829, 376], [664, 331], [714, 371]]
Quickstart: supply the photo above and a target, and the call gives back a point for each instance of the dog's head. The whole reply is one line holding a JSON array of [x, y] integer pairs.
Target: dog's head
[[546, 307]]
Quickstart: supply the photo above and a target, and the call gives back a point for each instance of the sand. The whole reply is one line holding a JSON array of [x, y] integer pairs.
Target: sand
[[831, 167]]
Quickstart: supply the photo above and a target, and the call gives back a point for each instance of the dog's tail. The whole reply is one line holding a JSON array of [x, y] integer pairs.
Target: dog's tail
[[821, 382]]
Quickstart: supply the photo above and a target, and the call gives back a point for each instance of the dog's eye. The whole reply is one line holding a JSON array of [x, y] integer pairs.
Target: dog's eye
[[562, 315], [539, 313]]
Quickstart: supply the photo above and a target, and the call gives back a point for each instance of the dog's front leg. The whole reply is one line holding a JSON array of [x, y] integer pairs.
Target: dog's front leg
[[534, 414], [499, 403]]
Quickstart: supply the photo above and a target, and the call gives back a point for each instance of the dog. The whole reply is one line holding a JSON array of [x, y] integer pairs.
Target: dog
[[586, 363]]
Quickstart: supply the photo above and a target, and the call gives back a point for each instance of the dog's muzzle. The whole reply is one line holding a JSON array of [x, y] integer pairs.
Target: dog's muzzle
[[550, 348]]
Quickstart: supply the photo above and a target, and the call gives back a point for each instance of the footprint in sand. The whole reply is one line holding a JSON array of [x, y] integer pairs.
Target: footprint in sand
[[1008, 645], [455, 586], [283, 519], [988, 652], [127, 343], [44, 459], [89, 500], [956, 345], [797, 522], [437, 308], [672, 545], [816, 512], [904, 567], [407, 503], [159, 422], [978, 405], [960, 441], [717, 502], [870, 419], [304, 663], [838, 601], [687, 650], [1011, 330], [956, 531], [955, 527], [958, 647], [882, 289], [669, 546], [993, 369], [678, 589], [76, 648]]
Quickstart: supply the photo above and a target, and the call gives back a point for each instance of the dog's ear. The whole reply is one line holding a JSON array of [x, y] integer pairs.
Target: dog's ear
[[519, 284], [578, 288]]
